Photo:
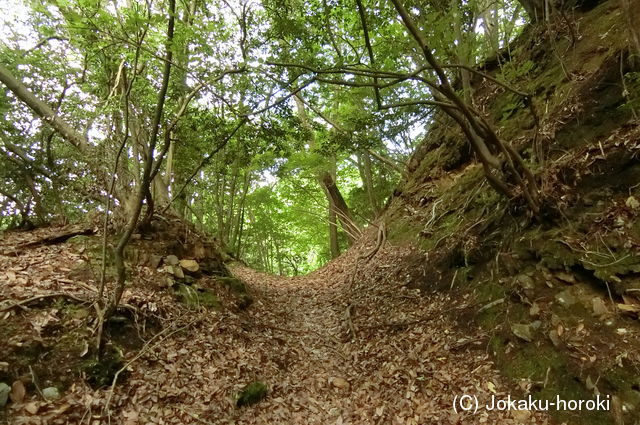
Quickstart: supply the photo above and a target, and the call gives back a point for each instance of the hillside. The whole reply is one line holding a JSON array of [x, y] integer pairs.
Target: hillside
[[452, 290]]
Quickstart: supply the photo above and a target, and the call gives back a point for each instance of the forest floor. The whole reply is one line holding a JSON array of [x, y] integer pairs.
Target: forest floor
[[348, 344]]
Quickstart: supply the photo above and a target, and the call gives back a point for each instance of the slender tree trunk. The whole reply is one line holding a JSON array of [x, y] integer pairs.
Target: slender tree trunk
[[632, 12], [240, 215], [341, 208], [231, 205], [366, 175], [333, 231], [334, 197], [143, 188]]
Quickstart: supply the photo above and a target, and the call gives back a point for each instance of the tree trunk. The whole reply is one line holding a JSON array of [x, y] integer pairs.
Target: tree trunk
[[333, 231], [43, 110], [535, 9], [633, 19], [327, 182], [340, 207]]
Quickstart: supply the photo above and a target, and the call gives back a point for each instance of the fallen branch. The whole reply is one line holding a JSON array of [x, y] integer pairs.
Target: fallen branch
[[39, 297], [142, 351], [352, 328], [382, 238], [58, 238]]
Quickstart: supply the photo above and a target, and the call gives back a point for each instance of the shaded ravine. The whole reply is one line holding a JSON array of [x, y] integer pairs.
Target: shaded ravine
[[397, 369], [351, 343]]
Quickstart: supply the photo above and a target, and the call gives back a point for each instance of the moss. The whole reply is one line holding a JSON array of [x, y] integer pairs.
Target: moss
[[235, 285], [402, 230], [251, 394], [532, 362], [625, 382], [196, 297], [100, 373], [489, 291]]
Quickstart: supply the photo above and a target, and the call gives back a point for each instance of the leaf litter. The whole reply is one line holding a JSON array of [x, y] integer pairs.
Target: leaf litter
[[351, 343]]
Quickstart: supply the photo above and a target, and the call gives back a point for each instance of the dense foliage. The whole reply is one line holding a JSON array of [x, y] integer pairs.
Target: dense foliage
[[284, 127]]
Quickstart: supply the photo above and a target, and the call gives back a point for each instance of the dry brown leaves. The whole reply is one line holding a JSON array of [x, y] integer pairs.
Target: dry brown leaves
[[404, 365]]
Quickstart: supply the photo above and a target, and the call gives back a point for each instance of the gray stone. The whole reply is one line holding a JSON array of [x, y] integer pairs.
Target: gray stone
[[154, 261], [522, 331], [566, 298], [171, 260], [51, 393], [525, 281], [4, 393]]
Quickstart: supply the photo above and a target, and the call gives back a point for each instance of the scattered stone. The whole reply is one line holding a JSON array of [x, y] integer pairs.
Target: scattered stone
[[522, 331], [555, 338], [339, 382], [526, 282], [51, 393], [190, 265], [172, 260], [176, 271], [17, 391], [154, 261], [599, 307], [522, 416], [629, 308], [4, 393], [566, 299], [534, 310], [632, 202], [566, 277], [251, 394], [32, 407]]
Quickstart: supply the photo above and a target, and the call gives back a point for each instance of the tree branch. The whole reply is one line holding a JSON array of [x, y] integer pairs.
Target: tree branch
[[43, 110]]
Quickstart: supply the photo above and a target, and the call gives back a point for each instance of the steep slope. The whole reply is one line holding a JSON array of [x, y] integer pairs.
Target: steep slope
[[464, 293], [558, 295], [348, 344]]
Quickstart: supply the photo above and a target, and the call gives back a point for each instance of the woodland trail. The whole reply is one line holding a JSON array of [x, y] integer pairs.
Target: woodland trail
[[397, 369], [405, 364]]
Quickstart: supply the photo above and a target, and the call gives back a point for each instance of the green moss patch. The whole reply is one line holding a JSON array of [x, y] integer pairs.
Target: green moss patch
[[100, 373], [195, 297], [252, 394]]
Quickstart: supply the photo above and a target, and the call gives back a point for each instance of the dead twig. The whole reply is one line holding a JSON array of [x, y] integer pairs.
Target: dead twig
[[143, 350], [382, 238], [38, 297], [352, 327]]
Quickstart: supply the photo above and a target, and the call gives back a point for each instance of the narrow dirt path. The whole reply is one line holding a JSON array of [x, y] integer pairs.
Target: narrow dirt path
[[405, 364], [348, 344]]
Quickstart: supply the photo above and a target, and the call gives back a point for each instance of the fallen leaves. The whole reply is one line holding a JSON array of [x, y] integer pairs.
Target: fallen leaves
[[404, 366]]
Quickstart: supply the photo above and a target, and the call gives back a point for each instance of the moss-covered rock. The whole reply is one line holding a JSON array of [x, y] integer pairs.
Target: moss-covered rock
[[251, 394], [100, 372], [195, 297], [235, 285]]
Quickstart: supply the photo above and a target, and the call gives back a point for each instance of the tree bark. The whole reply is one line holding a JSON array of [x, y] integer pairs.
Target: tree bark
[[41, 109], [341, 208], [633, 19], [143, 188], [535, 9], [327, 182]]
